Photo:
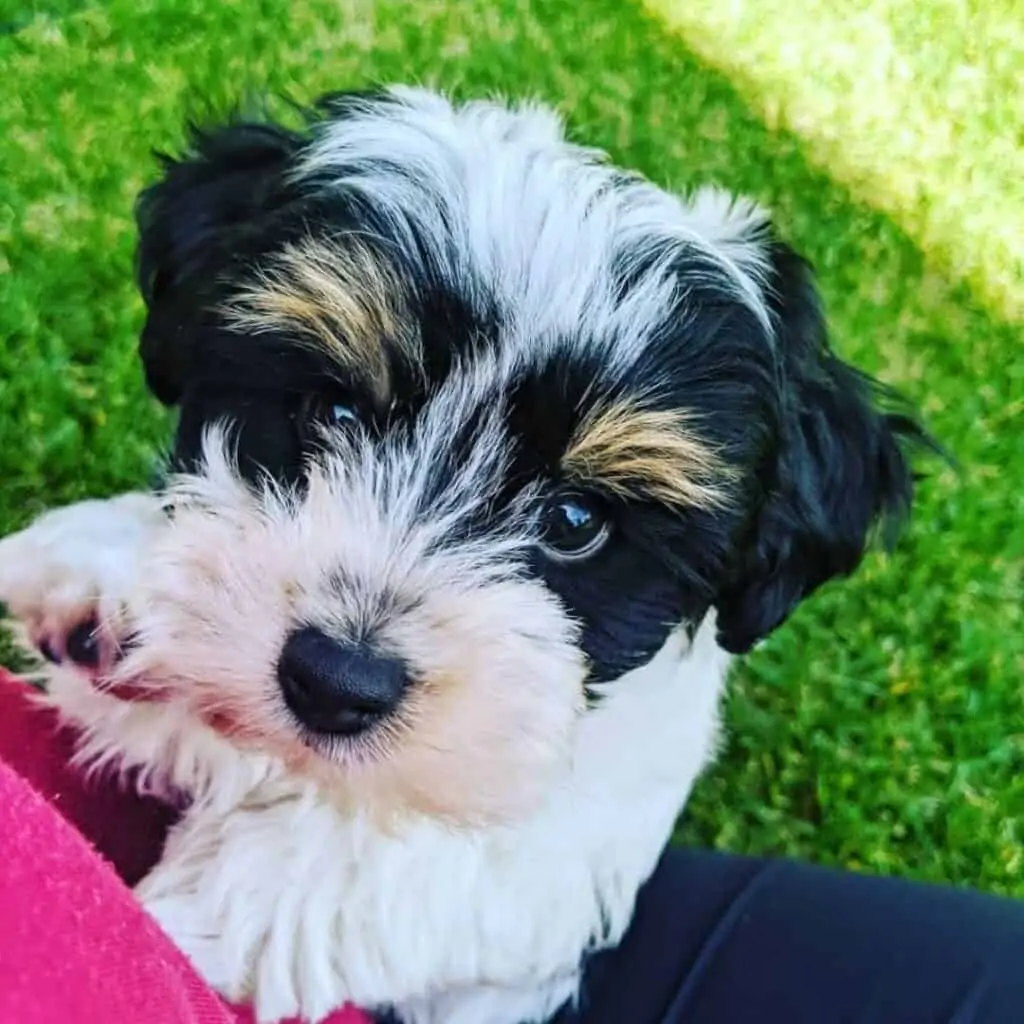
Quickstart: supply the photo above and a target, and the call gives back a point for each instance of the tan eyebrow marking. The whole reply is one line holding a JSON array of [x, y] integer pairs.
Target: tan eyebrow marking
[[637, 452], [341, 298]]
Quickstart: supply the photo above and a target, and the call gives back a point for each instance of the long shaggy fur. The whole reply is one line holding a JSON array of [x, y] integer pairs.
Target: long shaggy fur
[[464, 402]]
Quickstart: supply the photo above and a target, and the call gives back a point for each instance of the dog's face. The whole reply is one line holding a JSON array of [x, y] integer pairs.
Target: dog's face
[[471, 424]]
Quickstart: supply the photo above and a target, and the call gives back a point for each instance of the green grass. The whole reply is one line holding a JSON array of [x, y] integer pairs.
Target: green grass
[[882, 728]]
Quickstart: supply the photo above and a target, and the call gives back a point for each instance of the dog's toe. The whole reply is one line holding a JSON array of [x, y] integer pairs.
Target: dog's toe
[[83, 646]]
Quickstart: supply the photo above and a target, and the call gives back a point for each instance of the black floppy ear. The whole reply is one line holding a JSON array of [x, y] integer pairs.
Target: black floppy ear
[[189, 223], [839, 470]]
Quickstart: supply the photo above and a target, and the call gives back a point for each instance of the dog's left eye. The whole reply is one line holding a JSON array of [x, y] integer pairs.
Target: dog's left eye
[[574, 527]]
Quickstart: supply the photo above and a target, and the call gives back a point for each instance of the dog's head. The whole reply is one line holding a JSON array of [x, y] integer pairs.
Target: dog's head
[[472, 423]]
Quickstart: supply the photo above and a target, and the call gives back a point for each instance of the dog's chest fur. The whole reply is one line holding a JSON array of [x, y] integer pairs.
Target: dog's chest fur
[[280, 898]]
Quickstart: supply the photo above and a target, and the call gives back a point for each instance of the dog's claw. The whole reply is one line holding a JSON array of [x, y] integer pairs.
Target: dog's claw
[[82, 645]]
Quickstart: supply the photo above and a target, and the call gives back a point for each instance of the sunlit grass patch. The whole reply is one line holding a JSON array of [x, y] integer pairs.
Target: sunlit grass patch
[[917, 107]]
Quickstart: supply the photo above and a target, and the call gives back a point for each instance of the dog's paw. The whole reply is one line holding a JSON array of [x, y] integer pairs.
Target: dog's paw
[[65, 577]]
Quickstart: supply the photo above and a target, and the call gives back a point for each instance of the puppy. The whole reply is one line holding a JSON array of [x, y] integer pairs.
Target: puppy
[[489, 457]]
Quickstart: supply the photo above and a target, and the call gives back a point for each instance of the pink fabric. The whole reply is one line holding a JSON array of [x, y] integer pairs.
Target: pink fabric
[[75, 947]]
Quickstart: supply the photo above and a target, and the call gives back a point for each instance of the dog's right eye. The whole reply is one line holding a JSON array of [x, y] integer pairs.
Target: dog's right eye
[[336, 414], [330, 411]]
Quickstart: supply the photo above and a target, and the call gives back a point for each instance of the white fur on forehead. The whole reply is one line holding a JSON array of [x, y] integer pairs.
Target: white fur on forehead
[[541, 221]]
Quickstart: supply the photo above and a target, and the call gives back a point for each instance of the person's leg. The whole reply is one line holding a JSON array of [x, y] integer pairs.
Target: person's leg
[[732, 940], [127, 828], [75, 945]]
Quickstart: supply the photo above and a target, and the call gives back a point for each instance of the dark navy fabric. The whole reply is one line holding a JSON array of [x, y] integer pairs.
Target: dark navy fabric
[[719, 939]]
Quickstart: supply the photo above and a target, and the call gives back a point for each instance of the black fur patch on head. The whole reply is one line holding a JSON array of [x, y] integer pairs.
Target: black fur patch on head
[[205, 210], [663, 564]]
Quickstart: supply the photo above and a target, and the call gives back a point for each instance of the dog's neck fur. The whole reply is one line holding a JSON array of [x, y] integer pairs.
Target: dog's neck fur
[[458, 926]]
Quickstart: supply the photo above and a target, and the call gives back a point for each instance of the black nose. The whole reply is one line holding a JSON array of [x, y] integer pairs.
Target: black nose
[[337, 688]]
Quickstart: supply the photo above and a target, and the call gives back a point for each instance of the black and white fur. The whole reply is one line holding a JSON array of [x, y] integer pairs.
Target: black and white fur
[[384, 334]]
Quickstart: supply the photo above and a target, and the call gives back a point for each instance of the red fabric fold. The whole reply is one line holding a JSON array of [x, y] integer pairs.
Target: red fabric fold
[[75, 946]]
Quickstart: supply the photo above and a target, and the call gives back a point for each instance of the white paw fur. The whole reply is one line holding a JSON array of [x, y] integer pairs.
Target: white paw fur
[[75, 564]]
